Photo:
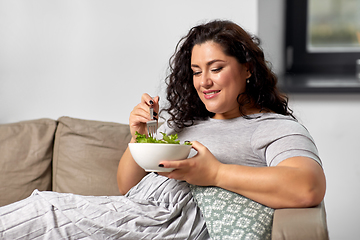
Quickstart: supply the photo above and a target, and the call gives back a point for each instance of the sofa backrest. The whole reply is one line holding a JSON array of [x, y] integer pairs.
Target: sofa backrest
[[25, 158], [68, 155], [86, 156]]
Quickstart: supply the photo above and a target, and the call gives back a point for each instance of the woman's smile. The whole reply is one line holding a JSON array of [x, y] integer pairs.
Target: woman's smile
[[208, 94]]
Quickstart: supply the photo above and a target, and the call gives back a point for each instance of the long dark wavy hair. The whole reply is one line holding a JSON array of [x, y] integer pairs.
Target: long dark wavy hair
[[185, 105]]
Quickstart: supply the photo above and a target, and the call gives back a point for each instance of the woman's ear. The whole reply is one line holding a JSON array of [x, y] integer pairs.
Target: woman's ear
[[248, 70]]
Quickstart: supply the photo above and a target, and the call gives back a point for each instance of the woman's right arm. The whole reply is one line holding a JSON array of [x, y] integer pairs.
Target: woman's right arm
[[129, 172]]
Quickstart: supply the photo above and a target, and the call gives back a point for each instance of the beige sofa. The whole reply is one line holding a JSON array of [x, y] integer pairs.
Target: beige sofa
[[81, 156]]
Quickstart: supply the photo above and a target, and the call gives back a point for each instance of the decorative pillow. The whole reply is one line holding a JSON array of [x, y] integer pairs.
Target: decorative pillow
[[25, 158], [229, 215], [86, 156]]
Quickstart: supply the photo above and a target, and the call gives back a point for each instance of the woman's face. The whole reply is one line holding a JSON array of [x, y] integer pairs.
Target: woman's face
[[218, 79]]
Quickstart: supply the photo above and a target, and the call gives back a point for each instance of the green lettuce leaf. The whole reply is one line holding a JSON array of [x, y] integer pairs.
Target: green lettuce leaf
[[167, 139]]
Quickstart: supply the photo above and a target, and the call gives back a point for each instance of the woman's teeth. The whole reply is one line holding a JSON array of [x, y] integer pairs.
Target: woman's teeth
[[209, 93]]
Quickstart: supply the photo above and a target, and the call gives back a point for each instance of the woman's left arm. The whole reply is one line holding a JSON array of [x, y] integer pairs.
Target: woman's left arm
[[295, 182]]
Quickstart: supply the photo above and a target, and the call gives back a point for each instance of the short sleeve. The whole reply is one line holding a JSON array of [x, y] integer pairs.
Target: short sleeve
[[280, 139]]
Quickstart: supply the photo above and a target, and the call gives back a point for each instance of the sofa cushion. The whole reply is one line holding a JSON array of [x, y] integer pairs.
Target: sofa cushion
[[25, 158], [86, 156]]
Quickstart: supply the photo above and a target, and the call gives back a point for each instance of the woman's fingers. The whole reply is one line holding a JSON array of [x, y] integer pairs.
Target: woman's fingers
[[178, 164], [141, 113], [142, 109], [156, 105], [150, 102], [201, 149], [147, 99]]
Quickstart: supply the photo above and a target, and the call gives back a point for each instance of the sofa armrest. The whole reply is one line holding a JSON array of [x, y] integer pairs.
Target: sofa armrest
[[300, 223]]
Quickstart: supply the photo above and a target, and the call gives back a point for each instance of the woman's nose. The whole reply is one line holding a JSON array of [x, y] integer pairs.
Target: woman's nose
[[205, 81]]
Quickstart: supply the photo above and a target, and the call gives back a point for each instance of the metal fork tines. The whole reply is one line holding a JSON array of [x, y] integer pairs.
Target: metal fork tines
[[152, 124]]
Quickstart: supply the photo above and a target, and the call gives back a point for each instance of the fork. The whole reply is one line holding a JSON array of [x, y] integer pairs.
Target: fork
[[152, 125]]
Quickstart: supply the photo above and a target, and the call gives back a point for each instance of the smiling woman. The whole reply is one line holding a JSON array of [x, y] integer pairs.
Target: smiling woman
[[219, 79], [246, 143], [249, 155], [220, 43], [218, 72]]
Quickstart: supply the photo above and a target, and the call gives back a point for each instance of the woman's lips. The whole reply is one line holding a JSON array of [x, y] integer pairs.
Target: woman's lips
[[211, 94]]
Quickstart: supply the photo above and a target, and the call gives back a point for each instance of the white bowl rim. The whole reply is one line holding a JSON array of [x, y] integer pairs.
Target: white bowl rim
[[163, 144]]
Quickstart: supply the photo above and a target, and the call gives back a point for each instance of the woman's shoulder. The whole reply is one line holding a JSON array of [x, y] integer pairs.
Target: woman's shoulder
[[272, 124]]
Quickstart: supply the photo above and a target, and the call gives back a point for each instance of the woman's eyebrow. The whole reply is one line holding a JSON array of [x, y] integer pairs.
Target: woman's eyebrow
[[214, 61], [208, 63]]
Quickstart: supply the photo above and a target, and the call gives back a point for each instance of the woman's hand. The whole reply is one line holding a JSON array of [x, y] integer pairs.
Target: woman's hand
[[202, 169], [141, 114], [129, 172]]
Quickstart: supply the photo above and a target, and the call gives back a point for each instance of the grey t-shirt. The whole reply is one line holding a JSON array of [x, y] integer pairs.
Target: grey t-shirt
[[264, 140]]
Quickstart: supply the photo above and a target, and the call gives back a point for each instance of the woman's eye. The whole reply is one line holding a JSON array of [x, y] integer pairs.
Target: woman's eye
[[196, 73], [215, 70]]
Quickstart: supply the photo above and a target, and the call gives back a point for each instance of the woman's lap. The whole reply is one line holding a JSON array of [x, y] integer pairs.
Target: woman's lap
[[157, 208]]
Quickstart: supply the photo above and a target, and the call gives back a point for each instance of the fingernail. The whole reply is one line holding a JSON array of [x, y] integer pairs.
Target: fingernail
[[155, 118], [161, 165], [154, 113], [151, 102]]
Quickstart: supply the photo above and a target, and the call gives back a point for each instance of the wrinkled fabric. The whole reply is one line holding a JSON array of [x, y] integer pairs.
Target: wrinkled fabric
[[156, 208]]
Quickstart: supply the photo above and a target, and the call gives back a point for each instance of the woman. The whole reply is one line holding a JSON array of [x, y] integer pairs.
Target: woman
[[219, 80], [223, 97]]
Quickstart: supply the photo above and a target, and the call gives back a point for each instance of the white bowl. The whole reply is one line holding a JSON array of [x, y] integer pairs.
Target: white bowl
[[149, 155]]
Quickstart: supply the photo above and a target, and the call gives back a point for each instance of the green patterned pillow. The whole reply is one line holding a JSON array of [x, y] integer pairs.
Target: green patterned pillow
[[229, 215]]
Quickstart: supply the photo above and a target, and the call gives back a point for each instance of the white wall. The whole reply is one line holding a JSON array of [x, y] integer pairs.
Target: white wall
[[333, 121], [93, 59]]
